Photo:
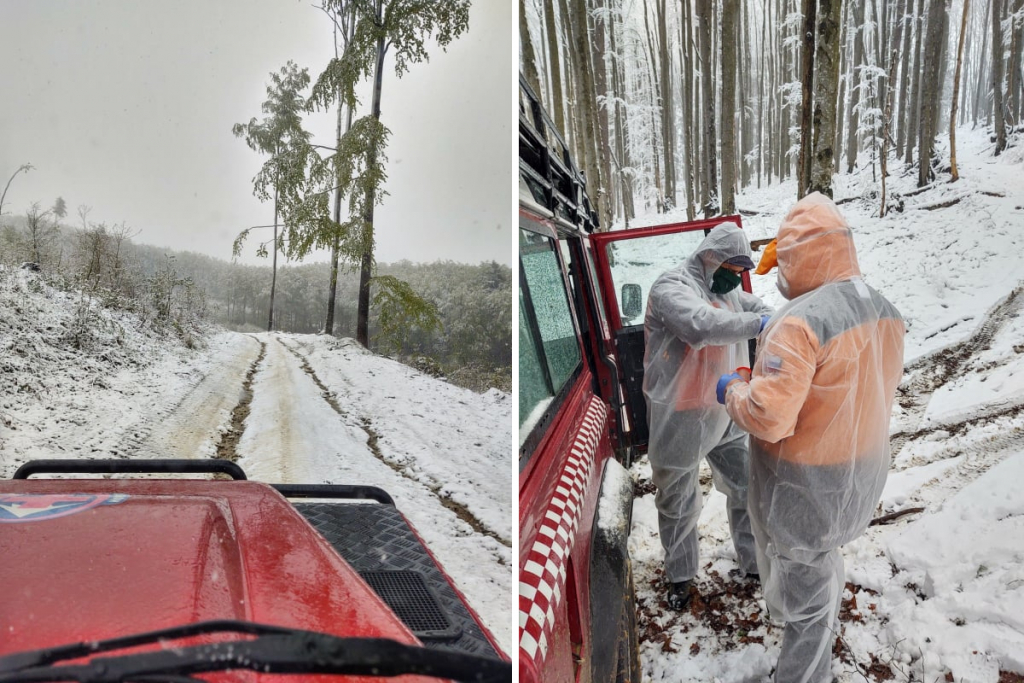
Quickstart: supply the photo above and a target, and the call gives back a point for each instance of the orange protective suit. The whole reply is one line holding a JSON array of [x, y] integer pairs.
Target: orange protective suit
[[817, 408]]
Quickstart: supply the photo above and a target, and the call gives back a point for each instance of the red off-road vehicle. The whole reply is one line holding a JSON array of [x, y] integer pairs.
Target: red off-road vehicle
[[187, 580], [582, 415]]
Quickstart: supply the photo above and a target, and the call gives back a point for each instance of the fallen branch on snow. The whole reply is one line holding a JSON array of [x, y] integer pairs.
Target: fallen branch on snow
[[941, 205], [885, 519]]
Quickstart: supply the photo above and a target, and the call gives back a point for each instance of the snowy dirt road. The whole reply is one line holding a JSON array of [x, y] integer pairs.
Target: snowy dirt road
[[296, 409], [328, 412]]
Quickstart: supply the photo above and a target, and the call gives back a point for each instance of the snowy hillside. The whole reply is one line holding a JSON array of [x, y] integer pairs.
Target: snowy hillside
[[287, 408], [935, 594]]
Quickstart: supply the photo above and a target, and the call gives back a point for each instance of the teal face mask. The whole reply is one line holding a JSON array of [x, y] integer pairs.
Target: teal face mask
[[724, 280]]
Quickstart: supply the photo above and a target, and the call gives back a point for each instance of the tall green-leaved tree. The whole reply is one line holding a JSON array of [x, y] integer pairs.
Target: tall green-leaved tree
[[284, 175], [401, 28]]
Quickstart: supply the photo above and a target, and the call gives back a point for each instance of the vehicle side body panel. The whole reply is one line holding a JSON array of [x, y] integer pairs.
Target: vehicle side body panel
[[554, 605]]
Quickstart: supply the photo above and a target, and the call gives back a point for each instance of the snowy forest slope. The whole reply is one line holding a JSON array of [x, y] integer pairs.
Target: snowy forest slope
[[938, 591]]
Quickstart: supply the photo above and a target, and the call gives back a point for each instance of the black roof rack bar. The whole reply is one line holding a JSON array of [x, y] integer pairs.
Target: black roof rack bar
[[348, 491], [544, 151], [133, 466]]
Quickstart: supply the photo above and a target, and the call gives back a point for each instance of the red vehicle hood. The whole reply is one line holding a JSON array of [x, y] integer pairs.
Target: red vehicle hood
[[95, 559]]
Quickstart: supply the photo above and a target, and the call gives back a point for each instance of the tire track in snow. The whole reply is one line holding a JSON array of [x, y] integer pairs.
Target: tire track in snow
[[228, 444], [927, 374], [192, 428], [373, 437], [135, 436]]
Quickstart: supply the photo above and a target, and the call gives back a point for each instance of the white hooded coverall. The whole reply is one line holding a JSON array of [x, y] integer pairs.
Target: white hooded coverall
[[693, 336]]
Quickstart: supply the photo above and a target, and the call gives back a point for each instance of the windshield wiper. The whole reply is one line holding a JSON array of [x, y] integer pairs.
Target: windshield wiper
[[275, 650]]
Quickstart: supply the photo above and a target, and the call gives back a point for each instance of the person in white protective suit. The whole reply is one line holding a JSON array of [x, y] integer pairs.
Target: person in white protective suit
[[697, 326], [817, 407]]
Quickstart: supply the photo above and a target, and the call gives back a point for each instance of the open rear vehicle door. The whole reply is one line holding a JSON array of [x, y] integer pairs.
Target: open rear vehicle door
[[627, 264]]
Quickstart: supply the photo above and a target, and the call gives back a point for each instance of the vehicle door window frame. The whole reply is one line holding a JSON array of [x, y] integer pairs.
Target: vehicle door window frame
[[537, 431]]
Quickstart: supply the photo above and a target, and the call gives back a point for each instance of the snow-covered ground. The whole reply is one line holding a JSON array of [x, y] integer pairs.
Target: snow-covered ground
[[320, 410], [932, 595]]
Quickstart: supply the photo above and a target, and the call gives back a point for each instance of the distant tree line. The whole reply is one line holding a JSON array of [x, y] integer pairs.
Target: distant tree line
[[680, 104], [472, 346]]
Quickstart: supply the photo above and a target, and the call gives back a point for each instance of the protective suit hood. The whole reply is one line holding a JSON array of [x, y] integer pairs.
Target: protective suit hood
[[815, 246], [725, 241]]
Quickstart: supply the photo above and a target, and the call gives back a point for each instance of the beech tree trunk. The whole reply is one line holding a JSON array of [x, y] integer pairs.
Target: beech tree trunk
[[856, 89], [529, 56], [690, 158], [599, 68], [826, 60], [554, 57], [931, 90], [914, 109], [1014, 85], [956, 88], [667, 104], [889, 92], [806, 92], [705, 15], [729, 43], [997, 80], [366, 262], [622, 152], [980, 90], [901, 42]]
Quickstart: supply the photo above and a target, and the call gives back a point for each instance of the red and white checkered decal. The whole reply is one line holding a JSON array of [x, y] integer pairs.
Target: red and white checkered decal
[[542, 579]]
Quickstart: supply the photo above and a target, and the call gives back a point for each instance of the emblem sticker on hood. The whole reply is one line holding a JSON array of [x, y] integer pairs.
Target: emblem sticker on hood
[[32, 507]]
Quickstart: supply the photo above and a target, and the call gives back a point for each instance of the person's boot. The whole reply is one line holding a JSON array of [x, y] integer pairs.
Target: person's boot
[[679, 595]]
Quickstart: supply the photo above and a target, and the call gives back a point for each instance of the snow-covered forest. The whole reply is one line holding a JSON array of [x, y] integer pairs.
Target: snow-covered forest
[[685, 104], [472, 346], [909, 114]]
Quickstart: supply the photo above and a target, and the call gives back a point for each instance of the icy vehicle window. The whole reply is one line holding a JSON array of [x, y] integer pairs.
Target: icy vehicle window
[[641, 260], [533, 388], [552, 320]]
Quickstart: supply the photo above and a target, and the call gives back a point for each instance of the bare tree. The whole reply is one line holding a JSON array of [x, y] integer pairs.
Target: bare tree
[[913, 112], [24, 168], [690, 105], [1014, 85], [40, 231], [956, 88], [705, 16], [667, 104], [997, 79]]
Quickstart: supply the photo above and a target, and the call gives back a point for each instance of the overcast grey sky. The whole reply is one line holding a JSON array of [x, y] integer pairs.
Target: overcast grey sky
[[127, 106]]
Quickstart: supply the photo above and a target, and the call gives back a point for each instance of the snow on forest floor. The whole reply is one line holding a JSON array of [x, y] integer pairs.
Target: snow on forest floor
[[319, 410], [935, 595]]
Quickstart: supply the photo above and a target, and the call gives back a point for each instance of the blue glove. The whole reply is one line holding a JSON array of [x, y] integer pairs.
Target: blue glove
[[722, 383], [764, 321]]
